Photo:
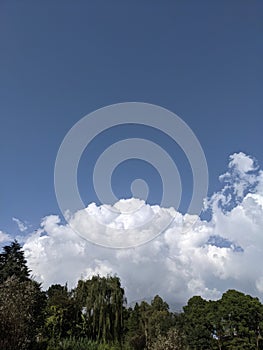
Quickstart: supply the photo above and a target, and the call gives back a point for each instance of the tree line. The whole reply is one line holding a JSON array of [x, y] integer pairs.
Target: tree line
[[94, 315]]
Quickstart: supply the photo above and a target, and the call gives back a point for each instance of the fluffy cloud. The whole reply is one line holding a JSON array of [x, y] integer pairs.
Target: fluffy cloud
[[242, 174], [191, 256]]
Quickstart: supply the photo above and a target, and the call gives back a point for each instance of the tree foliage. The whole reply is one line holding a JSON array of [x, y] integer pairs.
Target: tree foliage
[[173, 340], [13, 263], [21, 301], [102, 301], [21, 313], [234, 321], [94, 316]]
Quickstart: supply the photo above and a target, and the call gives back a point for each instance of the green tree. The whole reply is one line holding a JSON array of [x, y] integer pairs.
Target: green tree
[[241, 320], [196, 324], [147, 322], [160, 319], [13, 263], [62, 313], [102, 301], [173, 340], [21, 301], [21, 313], [233, 322], [135, 335]]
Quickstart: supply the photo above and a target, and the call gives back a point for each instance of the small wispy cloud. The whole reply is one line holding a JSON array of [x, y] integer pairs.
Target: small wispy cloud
[[21, 225], [4, 237]]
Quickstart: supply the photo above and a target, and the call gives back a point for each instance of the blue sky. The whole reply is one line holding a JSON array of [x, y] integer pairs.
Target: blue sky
[[60, 61]]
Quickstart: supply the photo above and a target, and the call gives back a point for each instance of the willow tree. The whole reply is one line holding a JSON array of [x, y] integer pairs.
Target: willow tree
[[102, 301]]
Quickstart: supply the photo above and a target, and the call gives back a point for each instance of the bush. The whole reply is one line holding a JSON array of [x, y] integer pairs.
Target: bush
[[80, 344]]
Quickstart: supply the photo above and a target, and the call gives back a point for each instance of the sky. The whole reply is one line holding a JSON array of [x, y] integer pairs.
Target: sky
[[202, 61]]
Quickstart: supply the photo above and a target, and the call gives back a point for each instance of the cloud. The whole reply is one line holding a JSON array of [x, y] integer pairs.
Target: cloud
[[242, 174], [191, 257], [21, 225], [4, 237]]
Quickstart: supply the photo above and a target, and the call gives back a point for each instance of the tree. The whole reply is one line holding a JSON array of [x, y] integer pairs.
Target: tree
[[62, 313], [173, 340], [233, 322], [161, 320], [241, 320], [13, 263], [21, 301], [135, 333], [147, 322], [21, 313], [102, 300], [196, 324]]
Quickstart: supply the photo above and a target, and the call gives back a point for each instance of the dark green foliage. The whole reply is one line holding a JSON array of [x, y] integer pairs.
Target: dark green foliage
[[21, 313], [101, 301], [196, 325], [62, 313], [135, 333], [83, 344], [233, 322], [21, 301], [147, 322], [241, 320], [74, 344], [13, 263]]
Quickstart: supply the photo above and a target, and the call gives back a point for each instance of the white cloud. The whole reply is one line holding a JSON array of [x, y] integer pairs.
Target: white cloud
[[242, 163], [207, 258], [242, 174], [4, 237], [20, 224]]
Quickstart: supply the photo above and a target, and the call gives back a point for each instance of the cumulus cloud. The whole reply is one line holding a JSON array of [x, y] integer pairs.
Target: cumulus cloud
[[241, 176], [191, 257]]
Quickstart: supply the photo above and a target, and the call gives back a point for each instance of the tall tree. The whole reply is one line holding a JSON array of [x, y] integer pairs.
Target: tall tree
[[161, 320], [102, 301], [147, 322], [241, 320], [62, 313], [13, 263], [135, 334], [21, 301], [196, 325]]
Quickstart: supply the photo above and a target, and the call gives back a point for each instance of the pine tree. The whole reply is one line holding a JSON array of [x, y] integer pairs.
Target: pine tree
[[21, 301], [13, 263]]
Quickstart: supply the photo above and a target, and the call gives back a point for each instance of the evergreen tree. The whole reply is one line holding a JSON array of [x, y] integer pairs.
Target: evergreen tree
[[13, 263], [21, 301]]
